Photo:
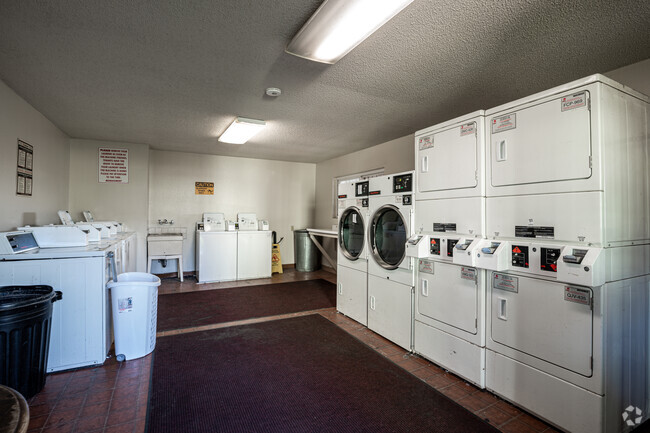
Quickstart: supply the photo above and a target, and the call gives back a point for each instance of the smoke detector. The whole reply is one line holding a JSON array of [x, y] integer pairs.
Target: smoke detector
[[273, 91]]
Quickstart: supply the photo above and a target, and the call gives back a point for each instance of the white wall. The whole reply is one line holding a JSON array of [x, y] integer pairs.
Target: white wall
[[393, 156], [123, 202], [280, 192], [636, 76], [18, 119]]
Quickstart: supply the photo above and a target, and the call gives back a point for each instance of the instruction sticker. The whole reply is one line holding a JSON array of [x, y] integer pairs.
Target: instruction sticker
[[468, 273], [505, 282], [572, 102], [124, 305], [503, 123], [425, 142], [468, 129], [426, 266], [579, 296]]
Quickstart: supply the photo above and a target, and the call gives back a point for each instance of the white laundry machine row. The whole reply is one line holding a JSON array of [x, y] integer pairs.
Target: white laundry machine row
[[450, 294], [390, 271], [352, 251], [81, 322], [567, 255], [228, 255]]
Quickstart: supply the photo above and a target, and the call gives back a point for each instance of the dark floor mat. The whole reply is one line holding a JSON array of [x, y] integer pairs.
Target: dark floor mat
[[302, 374], [185, 310]]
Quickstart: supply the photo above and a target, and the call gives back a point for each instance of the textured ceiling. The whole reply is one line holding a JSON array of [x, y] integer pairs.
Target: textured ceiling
[[174, 74]]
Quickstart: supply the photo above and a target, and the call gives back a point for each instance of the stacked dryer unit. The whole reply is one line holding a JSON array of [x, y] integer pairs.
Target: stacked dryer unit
[[352, 252], [390, 271], [568, 255], [449, 327]]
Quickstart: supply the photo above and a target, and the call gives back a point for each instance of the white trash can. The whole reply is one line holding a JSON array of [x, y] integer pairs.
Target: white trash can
[[134, 302]]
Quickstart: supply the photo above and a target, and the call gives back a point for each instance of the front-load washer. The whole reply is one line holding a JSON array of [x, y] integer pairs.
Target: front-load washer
[[352, 252], [390, 271]]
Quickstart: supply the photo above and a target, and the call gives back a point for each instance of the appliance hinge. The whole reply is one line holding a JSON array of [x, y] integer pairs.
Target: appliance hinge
[[591, 161], [591, 362], [475, 323], [476, 175]]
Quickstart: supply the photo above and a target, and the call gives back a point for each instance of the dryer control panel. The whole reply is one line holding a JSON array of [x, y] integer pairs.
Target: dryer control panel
[[402, 183], [564, 263]]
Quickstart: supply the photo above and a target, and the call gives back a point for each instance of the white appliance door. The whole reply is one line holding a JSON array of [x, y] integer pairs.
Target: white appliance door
[[543, 321], [388, 233], [217, 256], [352, 233], [352, 293], [541, 143], [451, 162], [253, 254], [390, 310], [449, 295], [79, 321]]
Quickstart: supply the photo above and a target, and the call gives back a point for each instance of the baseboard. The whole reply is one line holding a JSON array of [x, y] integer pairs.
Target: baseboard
[[193, 274], [175, 274]]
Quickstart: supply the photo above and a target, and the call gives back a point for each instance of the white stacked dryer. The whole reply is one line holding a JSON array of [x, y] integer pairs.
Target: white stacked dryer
[[449, 326], [352, 254], [568, 254], [390, 271]]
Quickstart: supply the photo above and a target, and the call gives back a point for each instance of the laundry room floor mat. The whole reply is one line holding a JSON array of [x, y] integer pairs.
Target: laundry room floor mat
[[187, 310], [302, 374]]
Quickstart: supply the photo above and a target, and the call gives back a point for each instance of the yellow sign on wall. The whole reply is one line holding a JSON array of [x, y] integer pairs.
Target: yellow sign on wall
[[204, 188]]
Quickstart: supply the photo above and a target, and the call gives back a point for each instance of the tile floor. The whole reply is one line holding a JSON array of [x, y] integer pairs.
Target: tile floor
[[113, 397]]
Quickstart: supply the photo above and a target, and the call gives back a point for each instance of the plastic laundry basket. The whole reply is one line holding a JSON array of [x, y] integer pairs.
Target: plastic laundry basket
[[134, 302]]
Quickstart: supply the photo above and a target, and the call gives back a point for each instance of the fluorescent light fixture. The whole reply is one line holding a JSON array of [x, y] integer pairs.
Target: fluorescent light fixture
[[340, 25], [242, 130]]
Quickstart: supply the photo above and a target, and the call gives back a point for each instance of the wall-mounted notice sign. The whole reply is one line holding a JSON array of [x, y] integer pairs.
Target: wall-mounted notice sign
[[204, 188], [25, 169], [113, 165]]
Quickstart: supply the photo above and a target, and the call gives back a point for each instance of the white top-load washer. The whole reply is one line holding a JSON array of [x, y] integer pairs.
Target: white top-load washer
[[390, 271], [352, 251], [216, 250]]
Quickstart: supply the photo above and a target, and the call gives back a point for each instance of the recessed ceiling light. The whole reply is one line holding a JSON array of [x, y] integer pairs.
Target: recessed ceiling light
[[273, 91], [241, 130], [340, 25]]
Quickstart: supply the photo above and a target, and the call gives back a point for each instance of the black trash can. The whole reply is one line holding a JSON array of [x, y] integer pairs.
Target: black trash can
[[25, 324]]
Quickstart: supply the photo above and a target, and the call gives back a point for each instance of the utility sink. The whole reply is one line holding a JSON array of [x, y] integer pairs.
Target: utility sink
[[165, 244]]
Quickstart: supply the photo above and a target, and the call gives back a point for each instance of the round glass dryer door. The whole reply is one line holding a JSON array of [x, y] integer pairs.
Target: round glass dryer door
[[388, 237], [351, 233]]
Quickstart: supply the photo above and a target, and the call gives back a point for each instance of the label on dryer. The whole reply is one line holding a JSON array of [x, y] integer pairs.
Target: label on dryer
[[579, 296], [425, 142], [468, 273], [574, 101], [503, 123], [468, 129], [505, 282], [425, 266]]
